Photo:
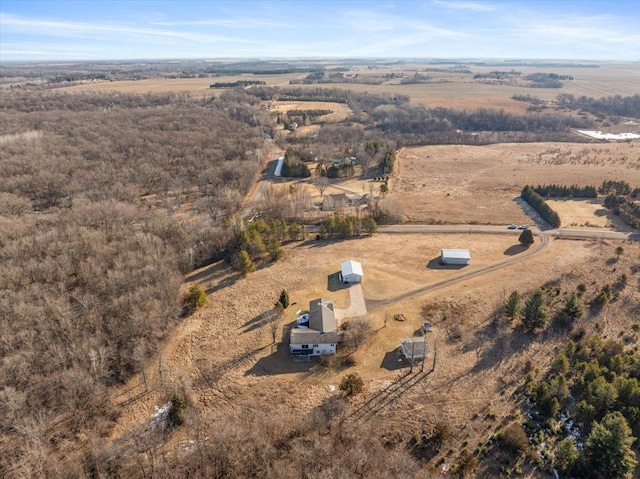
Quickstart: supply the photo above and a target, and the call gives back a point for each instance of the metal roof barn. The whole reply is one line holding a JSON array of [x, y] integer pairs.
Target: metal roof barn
[[351, 271], [455, 256]]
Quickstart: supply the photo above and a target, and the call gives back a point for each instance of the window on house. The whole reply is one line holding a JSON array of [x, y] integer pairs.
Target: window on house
[[305, 346], [315, 345]]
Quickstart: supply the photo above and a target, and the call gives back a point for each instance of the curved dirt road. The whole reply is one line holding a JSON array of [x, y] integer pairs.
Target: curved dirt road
[[463, 276]]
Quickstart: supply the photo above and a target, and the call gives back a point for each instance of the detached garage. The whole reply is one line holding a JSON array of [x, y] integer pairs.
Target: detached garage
[[455, 256], [351, 271]]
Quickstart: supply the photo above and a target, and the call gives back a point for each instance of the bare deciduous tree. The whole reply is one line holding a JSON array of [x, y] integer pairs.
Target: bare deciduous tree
[[321, 183], [358, 331]]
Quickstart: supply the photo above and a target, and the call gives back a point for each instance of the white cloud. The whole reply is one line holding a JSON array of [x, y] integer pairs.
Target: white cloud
[[580, 35], [14, 24], [239, 23], [468, 6]]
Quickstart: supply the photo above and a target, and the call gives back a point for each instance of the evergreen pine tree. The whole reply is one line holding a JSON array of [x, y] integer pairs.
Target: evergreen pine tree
[[284, 299], [512, 305], [245, 263], [535, 313]]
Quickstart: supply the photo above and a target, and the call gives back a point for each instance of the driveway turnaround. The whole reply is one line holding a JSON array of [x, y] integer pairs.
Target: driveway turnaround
[[357, 307]]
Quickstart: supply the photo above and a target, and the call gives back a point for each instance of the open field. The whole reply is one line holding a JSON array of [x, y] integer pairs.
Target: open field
[[445, 89], [461, 184], [587, 214], [224, 356], [605, 80], [196, 86], [340, 111], [393, 264], [477, 184], [509, 105]]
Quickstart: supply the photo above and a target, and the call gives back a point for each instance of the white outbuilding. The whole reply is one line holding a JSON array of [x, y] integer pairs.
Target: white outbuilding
[[351, 271], [455, 256]]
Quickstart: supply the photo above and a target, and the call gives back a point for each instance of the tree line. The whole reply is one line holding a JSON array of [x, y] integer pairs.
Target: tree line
[[626, 209], [343, 227], [239, 83], [398, 121], [620, 200], [258, 239], [573, 191], [538, 203], [628, 106]]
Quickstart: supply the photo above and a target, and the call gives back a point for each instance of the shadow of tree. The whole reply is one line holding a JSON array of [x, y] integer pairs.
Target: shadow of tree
[[258, 321], [219, 271], [496, 342], [387, 396], [515, 249], [216, 371]]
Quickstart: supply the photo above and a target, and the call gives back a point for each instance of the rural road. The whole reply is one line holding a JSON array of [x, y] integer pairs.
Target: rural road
[[256, 194], [556, 233]]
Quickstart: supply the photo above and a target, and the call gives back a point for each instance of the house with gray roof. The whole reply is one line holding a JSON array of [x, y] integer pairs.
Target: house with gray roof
[[335, 201], [321, 337]]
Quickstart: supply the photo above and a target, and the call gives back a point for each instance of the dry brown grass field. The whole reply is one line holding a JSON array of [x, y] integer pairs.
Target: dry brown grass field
[[340, 111], [605, 80], [477, 184], [586, 214], [225, 356], [195, 86], [448, 89]]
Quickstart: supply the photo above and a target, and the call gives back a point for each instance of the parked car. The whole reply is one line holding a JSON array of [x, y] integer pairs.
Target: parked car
[[523, 227], [511, 227]]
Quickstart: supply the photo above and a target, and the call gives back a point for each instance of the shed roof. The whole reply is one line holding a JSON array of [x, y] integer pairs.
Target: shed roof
[[455, 253], [351, 267], [414, 348], [322, 317]]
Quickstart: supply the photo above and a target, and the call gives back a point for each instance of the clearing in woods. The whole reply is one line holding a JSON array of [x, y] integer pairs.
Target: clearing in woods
[[339, 111], [225, 356], [586, 214]]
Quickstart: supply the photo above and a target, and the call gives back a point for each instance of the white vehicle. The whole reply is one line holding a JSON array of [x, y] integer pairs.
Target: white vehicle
[[303, 321]]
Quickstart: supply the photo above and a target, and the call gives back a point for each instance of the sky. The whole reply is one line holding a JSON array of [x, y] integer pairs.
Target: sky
[[151, 29]]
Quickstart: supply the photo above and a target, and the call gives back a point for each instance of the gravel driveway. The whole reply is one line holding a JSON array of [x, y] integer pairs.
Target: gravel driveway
[[357, 307]]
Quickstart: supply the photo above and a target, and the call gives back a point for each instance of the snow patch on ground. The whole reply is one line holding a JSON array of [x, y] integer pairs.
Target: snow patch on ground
[[161, 414], [599, 135], [278, 171]]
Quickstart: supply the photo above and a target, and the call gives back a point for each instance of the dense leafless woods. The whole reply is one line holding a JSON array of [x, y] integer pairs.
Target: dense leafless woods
[[103, 207]]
